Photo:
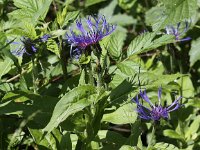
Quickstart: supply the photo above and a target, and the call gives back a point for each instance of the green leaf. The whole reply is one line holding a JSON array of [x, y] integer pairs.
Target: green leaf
[[31, 10], [165, 146], [116, 43], [24, 104], [173, 134], [5, 66], [123, 115], [92, 2], [174, 12], [72, 102], [187, 86], [109, 9], [122, 19], [127, 147], [194, 52], [53, 47], [70, 16], [146, 42], [129, 67], [193, 129]]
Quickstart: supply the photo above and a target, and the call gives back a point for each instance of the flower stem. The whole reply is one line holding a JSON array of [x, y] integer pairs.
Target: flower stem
[[63, 59], [151, 142], [34, 74]]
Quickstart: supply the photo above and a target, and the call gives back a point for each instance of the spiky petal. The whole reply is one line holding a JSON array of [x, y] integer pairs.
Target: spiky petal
[[155, 112]]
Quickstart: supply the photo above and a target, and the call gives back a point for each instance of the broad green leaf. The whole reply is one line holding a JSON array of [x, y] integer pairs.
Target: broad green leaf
[[116, 43], [173, 134], [129, 67], [147, 41], [122, 19], [123, 115], [25, 104], [174, 12], [165, 146], [194, 52], [74, 101], [109, 9], [31, 10], [186, 86]]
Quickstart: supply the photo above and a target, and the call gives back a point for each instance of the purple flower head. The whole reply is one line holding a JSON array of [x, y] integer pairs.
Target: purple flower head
[[157, 111], [28, 46], [89, 32], [178, 31]]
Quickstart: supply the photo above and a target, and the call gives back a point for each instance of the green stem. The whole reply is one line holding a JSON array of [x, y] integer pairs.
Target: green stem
[[34, 76], [91, 79], [151, 142], [63, 59]]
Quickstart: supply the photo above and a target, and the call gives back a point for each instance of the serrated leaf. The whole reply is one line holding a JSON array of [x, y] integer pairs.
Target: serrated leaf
[[129, 67], [146, 42], [194, 52], [140, 42], [70, 16], [74, 101], [53, 47], [123, 115], [116, 43], [174, 12], [31, 10]]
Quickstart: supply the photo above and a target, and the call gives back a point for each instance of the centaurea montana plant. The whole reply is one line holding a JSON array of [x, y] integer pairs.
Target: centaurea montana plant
[[28, 46], [96, 28], [157, 111], [177, 31]]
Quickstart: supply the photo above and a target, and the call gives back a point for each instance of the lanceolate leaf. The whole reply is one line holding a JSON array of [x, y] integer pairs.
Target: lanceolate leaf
[[72, 102]]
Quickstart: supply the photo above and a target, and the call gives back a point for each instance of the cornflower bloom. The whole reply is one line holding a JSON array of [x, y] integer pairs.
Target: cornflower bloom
[[176, 31], [28, 46], [156, 112], [96, 28]]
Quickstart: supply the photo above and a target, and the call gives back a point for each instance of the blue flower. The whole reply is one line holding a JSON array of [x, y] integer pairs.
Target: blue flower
[[157, 111], [95, 29], [176, 31], [28, 46]]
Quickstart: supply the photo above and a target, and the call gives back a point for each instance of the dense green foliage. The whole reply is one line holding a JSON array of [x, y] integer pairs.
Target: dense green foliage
[[51, 101]]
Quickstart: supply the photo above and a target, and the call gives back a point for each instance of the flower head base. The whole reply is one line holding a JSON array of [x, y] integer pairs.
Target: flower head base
[[156, 112], [95, 29], [176, 31]]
